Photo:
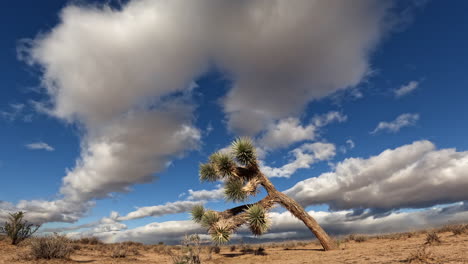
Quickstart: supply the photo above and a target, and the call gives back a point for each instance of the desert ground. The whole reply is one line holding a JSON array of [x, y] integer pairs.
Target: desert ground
[[410, 247]]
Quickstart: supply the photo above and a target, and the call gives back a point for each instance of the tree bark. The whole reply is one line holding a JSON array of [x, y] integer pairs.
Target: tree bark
[[298, 211]]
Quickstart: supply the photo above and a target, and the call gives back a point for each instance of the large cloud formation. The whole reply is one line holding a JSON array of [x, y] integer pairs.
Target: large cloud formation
[[416, 175], [285, 226], [120, 73]]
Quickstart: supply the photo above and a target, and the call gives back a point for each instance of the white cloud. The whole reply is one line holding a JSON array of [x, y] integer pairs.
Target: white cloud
[[330, 117], [159, 210], [286, 53], [286, 132], [341, 222], [39, 211], [113, 72], [401, 121], [411, 176], [128, 151], [289, 130], [406, 89], [16, 111], [304, 157], [207, 195], [285, 224], [168, 232], [350, 143], [40, 146]]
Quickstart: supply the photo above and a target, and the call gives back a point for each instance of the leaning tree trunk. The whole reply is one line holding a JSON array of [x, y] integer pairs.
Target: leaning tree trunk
[[298, 211]]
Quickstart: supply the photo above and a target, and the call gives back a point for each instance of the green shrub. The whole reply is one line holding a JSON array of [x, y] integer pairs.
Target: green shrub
[[18, 229]]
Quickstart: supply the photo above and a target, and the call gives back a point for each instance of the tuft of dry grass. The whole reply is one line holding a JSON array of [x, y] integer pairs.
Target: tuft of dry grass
[[160, 249], [125, 249], [246, 249], [459, 229], [215, 249], [260, 251], [190, 252], [51, 247], [357, 238], [432, 239], [421, 256], [89, 241]]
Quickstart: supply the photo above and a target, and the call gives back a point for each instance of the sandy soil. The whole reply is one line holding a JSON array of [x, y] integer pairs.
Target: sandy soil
[[453, 249]]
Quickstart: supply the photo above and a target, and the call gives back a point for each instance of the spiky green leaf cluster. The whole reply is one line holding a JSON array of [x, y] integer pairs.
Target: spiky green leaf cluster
[[209, 218], [208, 172], [223, 164], [233, 190], [197, 213], [257, 219], [244, 151], [220, 232]]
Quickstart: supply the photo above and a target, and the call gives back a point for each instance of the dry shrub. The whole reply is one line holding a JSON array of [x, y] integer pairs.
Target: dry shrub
[[455, 229], [421, 256], [432, 239], [289, 245], [90, 241], [360, 239], [458, 229], [232, 248], [160, 249], [124, 249], [133, 244], [51, 247], [190, 252], [260, 251], [246, 249], [215, 249]]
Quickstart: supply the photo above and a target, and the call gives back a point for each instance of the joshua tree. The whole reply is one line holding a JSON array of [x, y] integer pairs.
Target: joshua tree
[[241, 173], [18, 229]]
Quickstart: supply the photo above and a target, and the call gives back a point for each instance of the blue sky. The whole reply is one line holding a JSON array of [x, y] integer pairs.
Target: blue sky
[[111, 107]]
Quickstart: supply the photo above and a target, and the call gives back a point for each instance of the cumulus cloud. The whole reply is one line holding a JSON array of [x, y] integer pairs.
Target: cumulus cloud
[[285, 226], [129, 151], [406, 89], [416, 175], [159, 210], [115, 71], [304, 157], [284, 54], [61, 210], [290, 130], [401, 121], [106, 224], [341, 222], [39, 146]]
